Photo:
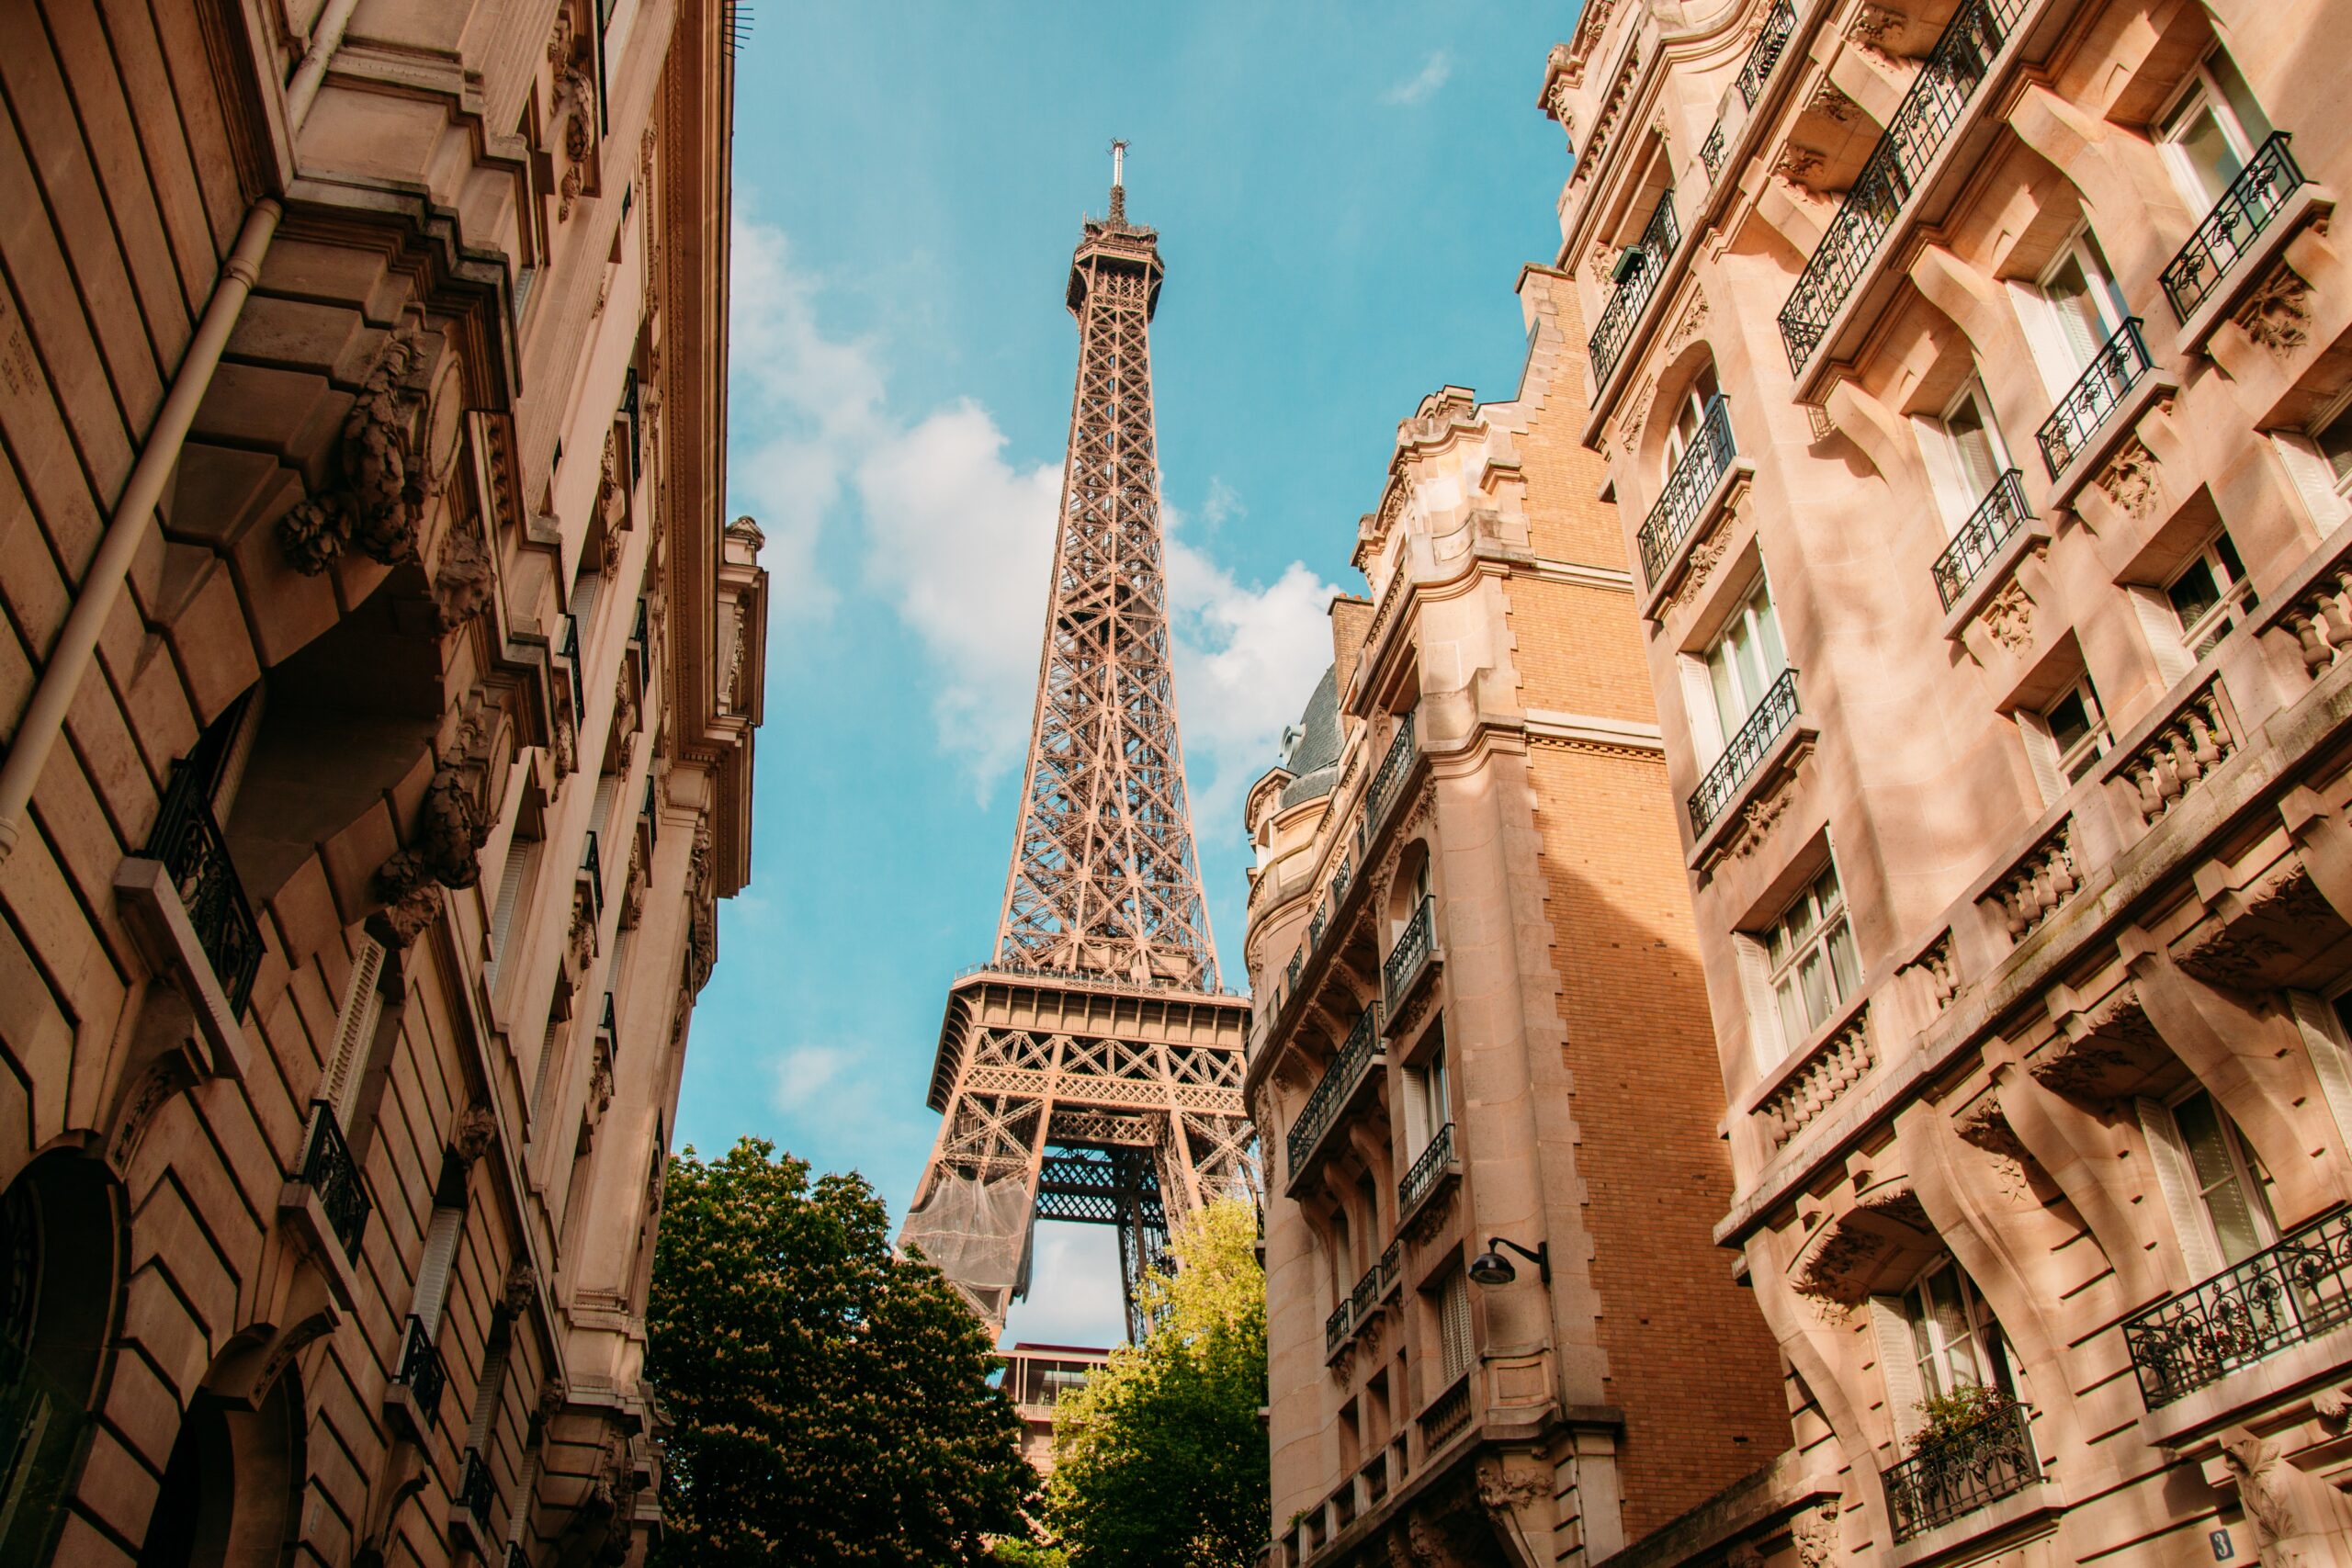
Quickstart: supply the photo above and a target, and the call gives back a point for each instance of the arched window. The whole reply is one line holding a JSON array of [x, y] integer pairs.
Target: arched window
[[1690, 417], [58, 1271]]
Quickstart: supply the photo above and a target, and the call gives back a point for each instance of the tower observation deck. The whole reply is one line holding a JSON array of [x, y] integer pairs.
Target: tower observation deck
[[1091, 1069]]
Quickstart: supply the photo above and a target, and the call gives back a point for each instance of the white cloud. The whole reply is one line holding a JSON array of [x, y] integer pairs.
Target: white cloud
[[1073, 1290], [1222, 504], [962, 542], [1434, 73]]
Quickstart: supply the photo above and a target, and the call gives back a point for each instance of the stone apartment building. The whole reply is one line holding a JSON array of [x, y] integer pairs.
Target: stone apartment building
[[1971, 377], [1482, 1035], [378, 684]]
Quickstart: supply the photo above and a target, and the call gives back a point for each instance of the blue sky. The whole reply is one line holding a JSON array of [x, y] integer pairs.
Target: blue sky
[[1344, 194]]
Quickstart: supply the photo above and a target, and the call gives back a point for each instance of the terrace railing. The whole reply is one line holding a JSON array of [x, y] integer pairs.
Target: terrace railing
[[1402, 966], [1428, 1166], [1339, 1079], [1639, 271], [1675, 510], [329, 1170], [1957, 1474], [2113, 371], [2281, 1296], [195, 855], [1773, 714], [1995, 520], [2245, 210]]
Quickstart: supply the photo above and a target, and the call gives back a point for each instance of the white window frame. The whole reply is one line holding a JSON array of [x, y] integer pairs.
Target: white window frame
[[1692, 406], [1427, 1109], [2237, 596], [2056, 771], [1788, 971], [1947, 469], [1932, 1352], [1711, 729], [2045, 325], [2203, 88]]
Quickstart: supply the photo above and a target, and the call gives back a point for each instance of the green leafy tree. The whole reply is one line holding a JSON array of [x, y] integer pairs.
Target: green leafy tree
[[830, 1401], [1160, 1459]]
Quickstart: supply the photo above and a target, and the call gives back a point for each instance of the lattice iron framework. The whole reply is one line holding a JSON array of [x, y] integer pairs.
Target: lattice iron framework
[[1092, 1072]]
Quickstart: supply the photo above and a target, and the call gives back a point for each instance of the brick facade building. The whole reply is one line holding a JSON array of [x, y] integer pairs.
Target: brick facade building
[[1971, 377], [1481, 1015], [378, 680]]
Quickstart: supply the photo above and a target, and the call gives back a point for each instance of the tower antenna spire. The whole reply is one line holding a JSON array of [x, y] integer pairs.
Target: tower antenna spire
[[1119, 180]]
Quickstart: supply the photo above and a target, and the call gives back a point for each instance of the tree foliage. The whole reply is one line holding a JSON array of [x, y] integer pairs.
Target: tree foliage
[[1160, 1459], [830, 1401]]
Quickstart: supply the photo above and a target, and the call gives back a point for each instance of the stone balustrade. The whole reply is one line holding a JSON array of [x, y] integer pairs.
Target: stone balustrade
[[1837, 1064]]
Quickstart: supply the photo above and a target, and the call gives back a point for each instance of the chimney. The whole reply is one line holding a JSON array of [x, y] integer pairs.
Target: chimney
[[1350, 620]]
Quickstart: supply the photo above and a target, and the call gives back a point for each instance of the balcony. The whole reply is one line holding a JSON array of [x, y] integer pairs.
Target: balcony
[[2245, 210], [570, 649], [1994, 523], [1430, 1169], [1356, 1309], [1683, 501], [1410, 959], [1322, 1108], [1710, 154], [2294, 1292], [189, 845], [1745, 753], [1954, 69], [1446, 1415], [2113, 371], [475, 1493], [1639, 271], [1953, 1476], [592, 872], [329, 1170], [421, 1373], [1762, 56], [1381, 793]]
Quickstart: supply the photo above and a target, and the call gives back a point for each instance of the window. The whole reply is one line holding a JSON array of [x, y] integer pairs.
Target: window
[[2231, 1188], [1690, 418], [2212, 131], [2084, 306], [1427, 1108], [2074, 731], [2210, 595], [1969, 455], [1955, 1343], [1456, 1347], [1811, 950], [1743, 662]]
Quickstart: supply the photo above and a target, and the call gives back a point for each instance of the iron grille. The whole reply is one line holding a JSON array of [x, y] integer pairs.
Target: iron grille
[[474, 1491], [1335, 1328], [422, 1371], [1766, 52], [633, 414], [1296, 960], [1948, 78], [2245, 210], [570, 652], [1638, 274], [610, 1029], [1339, 880], [1430, 1164], [329, 1170], [2290, 1292], [641, 648], [1412, 952], [1959, 1473], [195, 855], [1675, 510], [592, 867], [1339, 1079], [2113, 371], [1393, 768], [1710, 152], [1375, 1284], [1994, 523], [1773, 714], [1315, 925], [1447, 1414]]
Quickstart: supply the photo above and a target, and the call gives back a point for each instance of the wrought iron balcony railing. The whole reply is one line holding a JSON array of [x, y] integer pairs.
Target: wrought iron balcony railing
[[1428, 1167], [1366, 1297], [1638, 272], [422, 1371], [1766, 52], [570, 649], [1347, 1069], [1710, 154], [195, 854], [592, 870], [1995, 520], [1773, 714], [1334, 1327], [1675, 510], [1381, 793], [516, 1556], [475, 1492], [2245, 210], [1405, 960], [1947, 80], [1957, 1474], [2113, 371], [2288, 1293], [329, 1170]]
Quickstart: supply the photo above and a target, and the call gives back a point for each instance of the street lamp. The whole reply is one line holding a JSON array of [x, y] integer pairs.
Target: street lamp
[[1491, 1268]]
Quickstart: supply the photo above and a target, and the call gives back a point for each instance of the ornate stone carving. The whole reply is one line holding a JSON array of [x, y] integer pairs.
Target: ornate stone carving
[[461, 588], [1743, 1554], [1871, 26], [445, 849], [376, 496], [2008, 616], [575, 110], [1797, 163], [1503, 1490], [1757, 818], [1693, 322], [1814, 1531], [581, 942], [521, 1288], [476, 1126], [624, 704], [1704, 555], [2129, 480], [612, 499], [1831, 104], [2278, 315], [1988, 1129], [633, 889], [408, 916], [551, 1400], [2297, 1518]]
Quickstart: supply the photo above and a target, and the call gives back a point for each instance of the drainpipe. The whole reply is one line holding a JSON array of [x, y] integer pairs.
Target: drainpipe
[[326, 36]]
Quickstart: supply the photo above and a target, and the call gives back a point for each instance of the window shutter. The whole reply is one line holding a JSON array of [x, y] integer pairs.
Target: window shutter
[[2041, 756], [1765, 1046], [1898, 1367], [2323, 1038], [1454, 1326], [520, 857], [2162, 628], [355, 1027], [2314, 479], [2177, 1181], [541, 1077], [433, 1274], [486, 1397], [585, 591], [1699, 707]]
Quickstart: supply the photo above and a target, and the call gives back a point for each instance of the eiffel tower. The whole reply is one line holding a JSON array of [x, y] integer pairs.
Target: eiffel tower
[[1091, 1070]]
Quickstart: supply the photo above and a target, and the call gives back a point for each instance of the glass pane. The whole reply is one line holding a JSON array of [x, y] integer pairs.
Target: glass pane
[[1971, 442], [2335, 443], [1952, 1329], [1813, 976], [1792, 1012], [1843, 969], [2227, 550], [1768, 632], [2217, 1178], [2205, 152], [2194, 593], [1750, 668], [2254, 126], [2069, 721], [2070, 295], [1729, 712], [1825, 887]]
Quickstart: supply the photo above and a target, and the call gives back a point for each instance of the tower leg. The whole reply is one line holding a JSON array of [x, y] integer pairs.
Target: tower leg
[[977, 1200]]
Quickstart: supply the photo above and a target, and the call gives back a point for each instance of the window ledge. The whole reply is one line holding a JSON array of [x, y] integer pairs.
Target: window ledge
[[2033, 536], [2309, 202], [2017, 1515], [1721, 502], [167, 939], [2158, 386], [1780, 761]]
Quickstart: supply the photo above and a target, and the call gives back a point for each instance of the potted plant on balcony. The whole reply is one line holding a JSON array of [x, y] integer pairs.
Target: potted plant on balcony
[[1967, 1450]]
